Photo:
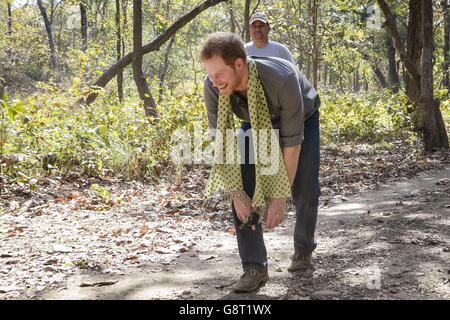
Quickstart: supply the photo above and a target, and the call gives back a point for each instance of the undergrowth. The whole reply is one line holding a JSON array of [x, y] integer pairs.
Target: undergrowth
[[50, 134]]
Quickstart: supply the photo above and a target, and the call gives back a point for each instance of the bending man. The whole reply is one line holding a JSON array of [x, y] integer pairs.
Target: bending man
[[265, 92]]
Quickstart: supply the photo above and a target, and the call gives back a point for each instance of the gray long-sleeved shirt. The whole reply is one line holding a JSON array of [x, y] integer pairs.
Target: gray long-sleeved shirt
[[291, 99]]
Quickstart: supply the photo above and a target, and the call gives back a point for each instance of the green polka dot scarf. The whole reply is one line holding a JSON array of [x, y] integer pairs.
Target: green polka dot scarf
[[271, 179]]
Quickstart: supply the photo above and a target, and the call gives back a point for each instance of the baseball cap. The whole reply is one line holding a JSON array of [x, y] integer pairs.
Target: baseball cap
[[259, 16]]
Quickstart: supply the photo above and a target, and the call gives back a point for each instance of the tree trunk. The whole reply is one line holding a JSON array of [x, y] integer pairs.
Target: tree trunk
[[315, 58], [163, 72], [435, 135], [380, 76], [232, 21], [308, 56], [48, 28], [356, 82], [246, 30], [414, 49], [433, 127], [390, 23], [138, 74], [378, 73], [446, 9], [394, 82], [9, 19], [300, 50], [119, 51], [83, 25], [149, 47], [125, 24]]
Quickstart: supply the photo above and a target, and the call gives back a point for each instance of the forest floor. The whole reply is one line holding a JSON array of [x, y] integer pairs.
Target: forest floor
[[383, 232]]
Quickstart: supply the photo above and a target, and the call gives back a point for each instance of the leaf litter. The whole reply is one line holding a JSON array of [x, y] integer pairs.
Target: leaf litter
[[64, 226]]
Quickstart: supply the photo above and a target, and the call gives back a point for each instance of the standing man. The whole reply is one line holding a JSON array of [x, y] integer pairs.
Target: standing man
[[261, 45], [266, 92]]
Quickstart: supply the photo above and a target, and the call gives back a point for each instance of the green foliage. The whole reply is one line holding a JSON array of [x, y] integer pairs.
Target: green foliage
[[364, 117], [8, 109], [106, 137]]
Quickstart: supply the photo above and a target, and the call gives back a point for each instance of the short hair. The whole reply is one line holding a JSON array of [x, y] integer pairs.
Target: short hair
[[227, 45]]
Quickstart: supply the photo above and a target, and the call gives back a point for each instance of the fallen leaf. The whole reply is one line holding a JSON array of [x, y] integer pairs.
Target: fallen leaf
[[98, 284], [205, 257], [50, 269], [129, 258], [53, 261], [144, 229], [173, 211]]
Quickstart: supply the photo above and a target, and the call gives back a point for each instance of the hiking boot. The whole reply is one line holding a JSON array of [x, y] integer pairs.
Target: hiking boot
[[300, 262], [250, 281]]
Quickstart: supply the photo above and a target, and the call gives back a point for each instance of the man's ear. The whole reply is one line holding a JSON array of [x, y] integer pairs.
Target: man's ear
[[239, 63]]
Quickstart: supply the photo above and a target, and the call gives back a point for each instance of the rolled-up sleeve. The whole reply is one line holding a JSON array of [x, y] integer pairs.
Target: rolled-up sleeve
[[291, 112], [211, 97]]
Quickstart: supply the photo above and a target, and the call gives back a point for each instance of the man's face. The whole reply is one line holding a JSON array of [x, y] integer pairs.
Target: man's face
[[224, 77], [259, 31]]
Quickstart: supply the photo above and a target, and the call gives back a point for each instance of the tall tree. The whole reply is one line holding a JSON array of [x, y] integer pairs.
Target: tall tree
[[84, 26], [446, 9], [119, 49], [433, 127], [165, 66], [9, 18], [48, 21], [138, 73], [393, 80], [246, 29], [414, 48], [435, 135]]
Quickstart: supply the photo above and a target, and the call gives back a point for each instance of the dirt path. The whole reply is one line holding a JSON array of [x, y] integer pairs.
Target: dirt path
[[393, 243]]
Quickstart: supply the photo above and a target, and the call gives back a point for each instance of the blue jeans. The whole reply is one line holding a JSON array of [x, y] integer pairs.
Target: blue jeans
[[305, 195]]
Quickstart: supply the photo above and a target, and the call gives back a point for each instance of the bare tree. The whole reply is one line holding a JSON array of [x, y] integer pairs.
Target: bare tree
[[48, 21], [138, 73], [83, 16], [446, 9], [119, 50], [9, 18], [149, 47]]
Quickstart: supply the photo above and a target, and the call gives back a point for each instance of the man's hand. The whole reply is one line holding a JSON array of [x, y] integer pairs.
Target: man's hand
[[275, 212], [243, 206]]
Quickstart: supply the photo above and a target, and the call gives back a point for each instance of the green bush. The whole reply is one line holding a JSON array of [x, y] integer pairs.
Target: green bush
[[103, 137], [52, 133], [368, 117]]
